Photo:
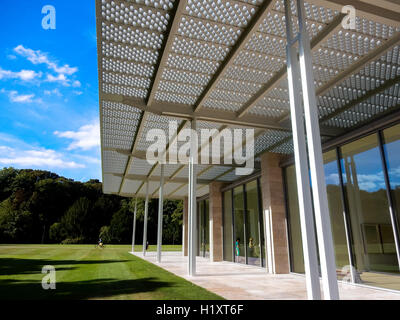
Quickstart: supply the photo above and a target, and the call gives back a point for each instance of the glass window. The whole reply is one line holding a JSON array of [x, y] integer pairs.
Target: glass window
[[336, 208], [252, 225], [264, 255], [240, 240], [228, 225], [391, 137], [206, 228], [368, 207], [199, 228], [296, 249]]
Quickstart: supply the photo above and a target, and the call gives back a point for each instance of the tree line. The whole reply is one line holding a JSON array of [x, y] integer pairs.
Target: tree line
[[42, 207]]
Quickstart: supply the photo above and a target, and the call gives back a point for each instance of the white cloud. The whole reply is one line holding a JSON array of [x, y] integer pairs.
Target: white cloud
[[38, 57], [35, 158], [16, 97], [21, 98], [62, 72], [61, 78], [76, 84], [54, 92], [86, 138], [24, 75]]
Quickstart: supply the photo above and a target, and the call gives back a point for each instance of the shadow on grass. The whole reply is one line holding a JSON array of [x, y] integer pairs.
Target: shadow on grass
[[14, 266], [79, 290], [13, 288]]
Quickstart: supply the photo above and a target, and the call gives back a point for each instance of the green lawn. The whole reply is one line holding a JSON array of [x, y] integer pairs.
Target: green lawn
[[84, 272]]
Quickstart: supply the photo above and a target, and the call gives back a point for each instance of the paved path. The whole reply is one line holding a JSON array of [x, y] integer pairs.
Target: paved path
[[241, 282]]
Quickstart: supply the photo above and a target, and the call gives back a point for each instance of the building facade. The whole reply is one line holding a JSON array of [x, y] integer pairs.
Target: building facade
[[258, 217]]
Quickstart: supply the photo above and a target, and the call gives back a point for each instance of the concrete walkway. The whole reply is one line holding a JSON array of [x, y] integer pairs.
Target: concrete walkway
[[241, 282]]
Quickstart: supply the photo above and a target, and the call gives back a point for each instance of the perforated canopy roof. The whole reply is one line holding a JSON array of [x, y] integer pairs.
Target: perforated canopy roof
[[224, 63]]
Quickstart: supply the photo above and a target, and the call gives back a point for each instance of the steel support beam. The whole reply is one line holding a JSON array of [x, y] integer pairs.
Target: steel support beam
[[253, 27], [361, 63], [302, 169], [280, 75], [146, 215], [134, 226], [176, 12], [382, 87], [192, 202], [160, 214], [374, 10], [183, 111], [320, 198], [175, 16]]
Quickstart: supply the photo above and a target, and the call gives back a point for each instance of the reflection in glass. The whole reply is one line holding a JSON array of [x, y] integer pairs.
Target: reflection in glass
[[200, 228], [203, 227], [261, 223], [228, 223], [252, 225], [206, 238], [368, 205], [296, 249], [391, 137], [336, 208], [238, 205]]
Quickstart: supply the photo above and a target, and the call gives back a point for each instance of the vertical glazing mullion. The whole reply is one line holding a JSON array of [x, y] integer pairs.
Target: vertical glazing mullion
[[260, 221], [346, 217], [233, 227], [223, 225], [245, 222], [204, 228], [289, 232], [392, 209]]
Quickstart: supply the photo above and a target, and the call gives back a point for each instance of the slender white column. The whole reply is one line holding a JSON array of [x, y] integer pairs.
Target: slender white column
[[146, 214], [192, 201], [301, 166], [134, 226], [160, 214], [322, 218]]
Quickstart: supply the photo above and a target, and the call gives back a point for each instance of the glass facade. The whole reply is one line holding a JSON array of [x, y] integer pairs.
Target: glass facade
[[239, 227], [391, 145], [336, 209], [252, 224], [228, 227], [243, 226], [363, 187], [203, 228]]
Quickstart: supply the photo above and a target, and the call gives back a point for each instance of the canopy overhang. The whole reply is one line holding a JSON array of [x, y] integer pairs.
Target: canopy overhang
[[223, 63]]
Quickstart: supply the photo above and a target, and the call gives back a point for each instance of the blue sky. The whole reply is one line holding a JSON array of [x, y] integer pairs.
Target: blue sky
[[49, 88]]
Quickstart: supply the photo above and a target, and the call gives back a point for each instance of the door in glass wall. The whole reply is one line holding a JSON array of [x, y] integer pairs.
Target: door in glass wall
[[295, 240], [368, 207], [239, 225], [200, 228], [261, 223], [336, 210], [391, 137], [206, 229], [253, 248], [228, 227], [203, 228]]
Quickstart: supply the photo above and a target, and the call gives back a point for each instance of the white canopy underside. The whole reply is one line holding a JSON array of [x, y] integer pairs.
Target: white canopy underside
[[223, 62]]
